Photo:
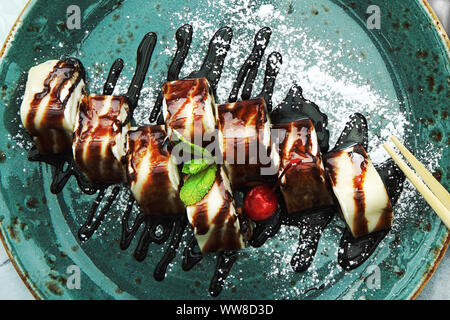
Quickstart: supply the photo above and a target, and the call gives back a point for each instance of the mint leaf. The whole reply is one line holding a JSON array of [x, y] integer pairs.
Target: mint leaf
[[197, 186], [195, 165], [192, 148]]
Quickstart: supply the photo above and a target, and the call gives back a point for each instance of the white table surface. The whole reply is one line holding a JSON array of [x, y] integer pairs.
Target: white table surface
[[12, 287]]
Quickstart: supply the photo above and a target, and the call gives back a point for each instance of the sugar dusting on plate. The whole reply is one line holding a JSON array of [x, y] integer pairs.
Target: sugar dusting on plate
[[314, 63]]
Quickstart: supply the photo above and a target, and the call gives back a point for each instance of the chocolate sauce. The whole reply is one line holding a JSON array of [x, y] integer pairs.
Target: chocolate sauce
[[64, 168], [211, 68], [264, 230], [312, 222], [184, 40], [311, 227], [212, 65], [272, 69], [93, 221], [144, 55], [93, 153], [354, 252], [151, 226], [56, 139], [128, 233], [178, 229], [360, 223], [64, 163], [191, 254], [294, 107], [241, 124], [248, 73], [113, 76], [355, 132], [150, 234], [225, 262], [249, 69], [304, 185], [393, 179]]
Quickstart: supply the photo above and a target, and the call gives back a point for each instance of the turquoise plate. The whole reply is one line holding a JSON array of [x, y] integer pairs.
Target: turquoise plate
[[398, 76]]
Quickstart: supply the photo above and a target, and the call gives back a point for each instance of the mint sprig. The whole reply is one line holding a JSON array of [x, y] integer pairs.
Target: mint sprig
[[197, 186], [201, 170], [194, 166], [192, 148]]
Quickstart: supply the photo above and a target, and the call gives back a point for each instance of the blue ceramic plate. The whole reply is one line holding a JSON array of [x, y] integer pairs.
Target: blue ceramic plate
[[397, 76]]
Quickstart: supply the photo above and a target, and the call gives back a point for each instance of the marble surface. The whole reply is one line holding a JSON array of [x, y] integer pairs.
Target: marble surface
[[12, 286]]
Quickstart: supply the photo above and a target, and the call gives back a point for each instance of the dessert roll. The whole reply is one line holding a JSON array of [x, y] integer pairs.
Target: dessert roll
[[189, 108], [214, 219], [245, 130], [99, 137], [358, 187], [50, 103], [303, 181], [152, 172]]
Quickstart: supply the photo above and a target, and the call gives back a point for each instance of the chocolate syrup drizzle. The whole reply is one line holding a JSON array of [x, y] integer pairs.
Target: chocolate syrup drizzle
[[354, 252], [212, 70], [144, 55], [184, 40], [311, 224], [294, 107], [248, 72]]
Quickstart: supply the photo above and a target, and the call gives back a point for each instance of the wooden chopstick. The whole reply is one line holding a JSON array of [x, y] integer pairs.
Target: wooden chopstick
[[426, 176], [435, 202]]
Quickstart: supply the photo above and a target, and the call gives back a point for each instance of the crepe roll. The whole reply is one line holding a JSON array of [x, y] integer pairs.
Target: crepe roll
[[152, 172], [214, 219], [358, 187], [189, 109], [99, 137], [303, 181], [52, 94], [245, 130]]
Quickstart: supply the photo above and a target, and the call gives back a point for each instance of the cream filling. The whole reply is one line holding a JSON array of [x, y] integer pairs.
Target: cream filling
[[35, 84], [71, 110], [214, 202], [208, 122], [174, 175], [119, 149], [376, 197]]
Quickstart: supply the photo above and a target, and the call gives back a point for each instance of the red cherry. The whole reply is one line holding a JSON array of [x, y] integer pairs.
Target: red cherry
[[260, 203]]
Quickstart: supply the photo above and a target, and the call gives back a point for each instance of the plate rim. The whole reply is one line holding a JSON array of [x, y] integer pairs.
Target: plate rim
[[413, 295]]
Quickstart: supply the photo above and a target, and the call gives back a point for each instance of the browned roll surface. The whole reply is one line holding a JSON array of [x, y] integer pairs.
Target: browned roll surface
[[99, 137], [245, 129], [50, 103], [304, 185], [189, 109], [214, 219], [152, 172]]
